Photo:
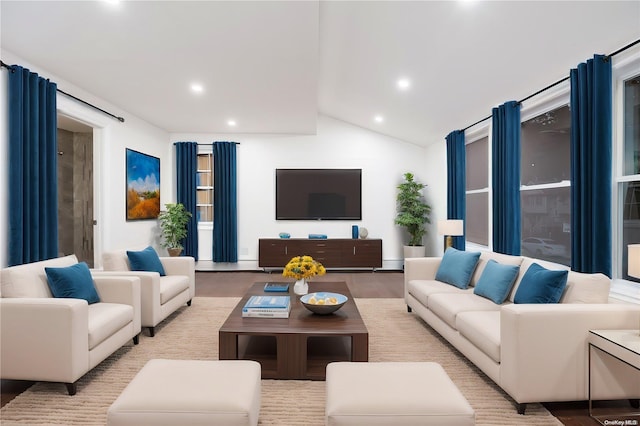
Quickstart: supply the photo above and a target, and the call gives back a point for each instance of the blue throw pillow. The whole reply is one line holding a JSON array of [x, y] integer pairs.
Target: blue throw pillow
[[496, 281], [540, 285], [457, 267], [145, 260], [73, 282]]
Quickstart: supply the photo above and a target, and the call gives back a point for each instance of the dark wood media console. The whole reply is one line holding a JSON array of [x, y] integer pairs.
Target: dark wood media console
[[332, 252]]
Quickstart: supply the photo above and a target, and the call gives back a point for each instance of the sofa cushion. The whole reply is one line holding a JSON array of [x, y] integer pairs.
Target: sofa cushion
[[105, 319], [74, 282], [486, 256], [540, 285], [496, 281], [448, 305], [145, 260], [171, 286], [30, 280], [422, 289], [586, 288], [457, 267], [483, 330]]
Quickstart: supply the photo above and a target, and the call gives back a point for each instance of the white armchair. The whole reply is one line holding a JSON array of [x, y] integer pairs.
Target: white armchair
[[43, 338], [160, 296]]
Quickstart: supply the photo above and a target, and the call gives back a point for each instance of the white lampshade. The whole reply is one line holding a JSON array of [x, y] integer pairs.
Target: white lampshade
[[453, 227], [633, 260]]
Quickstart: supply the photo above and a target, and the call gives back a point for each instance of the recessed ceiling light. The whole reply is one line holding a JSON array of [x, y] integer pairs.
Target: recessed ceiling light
[[231, 123], [197, 88], [404, 83], [378, 118], [113, 2]]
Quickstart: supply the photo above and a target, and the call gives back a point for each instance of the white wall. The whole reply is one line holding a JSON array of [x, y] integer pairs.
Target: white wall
[[436, 172], [383, 161], [111, 137]]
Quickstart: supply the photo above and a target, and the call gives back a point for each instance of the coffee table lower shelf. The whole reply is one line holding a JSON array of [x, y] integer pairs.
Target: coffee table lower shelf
[[302, 357]]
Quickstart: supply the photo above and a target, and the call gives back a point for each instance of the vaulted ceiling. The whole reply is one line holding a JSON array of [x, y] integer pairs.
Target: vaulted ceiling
[[273, 66]]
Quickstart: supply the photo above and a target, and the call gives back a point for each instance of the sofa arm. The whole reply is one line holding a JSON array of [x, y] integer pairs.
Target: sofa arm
[[181, 265], [149, 290], [120, 289], [544, 347], [44, 339], [420, 268]]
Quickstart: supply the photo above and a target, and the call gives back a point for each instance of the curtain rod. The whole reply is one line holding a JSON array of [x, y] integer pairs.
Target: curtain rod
[[120, 119], [207, 144], [556, 83]]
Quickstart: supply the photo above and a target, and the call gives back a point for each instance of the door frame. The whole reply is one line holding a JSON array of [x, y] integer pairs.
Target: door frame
[[100, 124]]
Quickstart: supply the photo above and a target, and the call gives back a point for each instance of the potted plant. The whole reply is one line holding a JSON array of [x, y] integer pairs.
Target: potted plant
[[173, 227], [413, 214]]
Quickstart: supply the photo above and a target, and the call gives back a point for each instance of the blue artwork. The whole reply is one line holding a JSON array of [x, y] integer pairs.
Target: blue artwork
[[143, 186]]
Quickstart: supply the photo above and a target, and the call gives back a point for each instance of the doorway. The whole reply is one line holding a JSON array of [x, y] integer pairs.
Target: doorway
[[75, 190]]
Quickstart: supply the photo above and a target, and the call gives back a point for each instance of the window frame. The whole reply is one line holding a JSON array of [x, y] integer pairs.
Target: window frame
[[624, 66]]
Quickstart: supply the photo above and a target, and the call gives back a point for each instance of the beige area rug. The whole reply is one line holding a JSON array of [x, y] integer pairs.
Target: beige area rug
[[192, 333]]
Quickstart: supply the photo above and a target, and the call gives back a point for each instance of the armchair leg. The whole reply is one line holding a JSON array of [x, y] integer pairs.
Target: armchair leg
[[152, 331], [521, 408], [189, 302], [136, 339], [409, 309], [71, 388]]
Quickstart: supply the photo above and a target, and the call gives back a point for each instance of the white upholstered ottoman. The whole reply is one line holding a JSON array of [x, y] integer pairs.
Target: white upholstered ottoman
[[393, 393], [187, 392]]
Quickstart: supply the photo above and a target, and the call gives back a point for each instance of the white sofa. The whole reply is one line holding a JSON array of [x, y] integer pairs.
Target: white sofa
[[534, 352], [160, 296], [43, 338]]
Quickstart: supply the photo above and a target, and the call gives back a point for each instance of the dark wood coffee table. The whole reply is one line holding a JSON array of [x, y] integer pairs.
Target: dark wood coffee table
[[298, 347]]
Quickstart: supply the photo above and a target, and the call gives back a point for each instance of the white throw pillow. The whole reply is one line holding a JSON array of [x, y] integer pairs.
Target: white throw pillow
[[586, 288], [30, 280]]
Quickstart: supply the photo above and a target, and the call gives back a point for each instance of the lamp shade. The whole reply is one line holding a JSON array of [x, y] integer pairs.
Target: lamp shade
[[453, 227], [633, 260]]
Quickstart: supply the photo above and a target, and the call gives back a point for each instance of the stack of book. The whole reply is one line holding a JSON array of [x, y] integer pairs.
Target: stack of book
[[277, 287], [267, 307]]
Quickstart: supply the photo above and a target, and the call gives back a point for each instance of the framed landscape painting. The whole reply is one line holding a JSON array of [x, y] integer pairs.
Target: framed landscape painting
[[143, 186]]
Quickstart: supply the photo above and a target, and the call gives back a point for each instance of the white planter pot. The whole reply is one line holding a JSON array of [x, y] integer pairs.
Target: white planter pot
[[413, 251], [301, 287]]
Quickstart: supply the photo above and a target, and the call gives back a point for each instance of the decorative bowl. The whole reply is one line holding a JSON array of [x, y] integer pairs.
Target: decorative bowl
[[324, 309]]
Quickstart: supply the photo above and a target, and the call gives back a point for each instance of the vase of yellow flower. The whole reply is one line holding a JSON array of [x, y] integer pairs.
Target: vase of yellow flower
[[301, 268]]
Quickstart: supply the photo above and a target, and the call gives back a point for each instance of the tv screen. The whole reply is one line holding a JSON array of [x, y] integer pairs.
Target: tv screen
[[318, 194]]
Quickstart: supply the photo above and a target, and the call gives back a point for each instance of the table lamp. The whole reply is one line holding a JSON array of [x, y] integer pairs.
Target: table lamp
[[633, 260], [450, 228]]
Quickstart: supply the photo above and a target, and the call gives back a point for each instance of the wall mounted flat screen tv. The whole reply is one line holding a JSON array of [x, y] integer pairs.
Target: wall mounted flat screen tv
[[318, 194]]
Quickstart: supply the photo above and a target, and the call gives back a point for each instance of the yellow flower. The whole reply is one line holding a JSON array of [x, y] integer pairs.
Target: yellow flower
[[303, 267]]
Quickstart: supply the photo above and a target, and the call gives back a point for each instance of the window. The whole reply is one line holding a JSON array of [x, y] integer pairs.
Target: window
[[477, 191], [545, 189], [204, 188]]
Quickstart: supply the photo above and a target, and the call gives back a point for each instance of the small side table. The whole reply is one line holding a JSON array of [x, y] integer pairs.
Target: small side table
[[623, 345]]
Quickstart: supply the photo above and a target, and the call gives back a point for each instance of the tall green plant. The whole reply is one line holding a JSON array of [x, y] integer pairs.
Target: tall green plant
[[413, 212], [173, 225]]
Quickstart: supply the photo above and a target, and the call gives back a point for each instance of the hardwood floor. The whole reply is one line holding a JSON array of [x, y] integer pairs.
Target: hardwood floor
[[383, 284], [361, 284]]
